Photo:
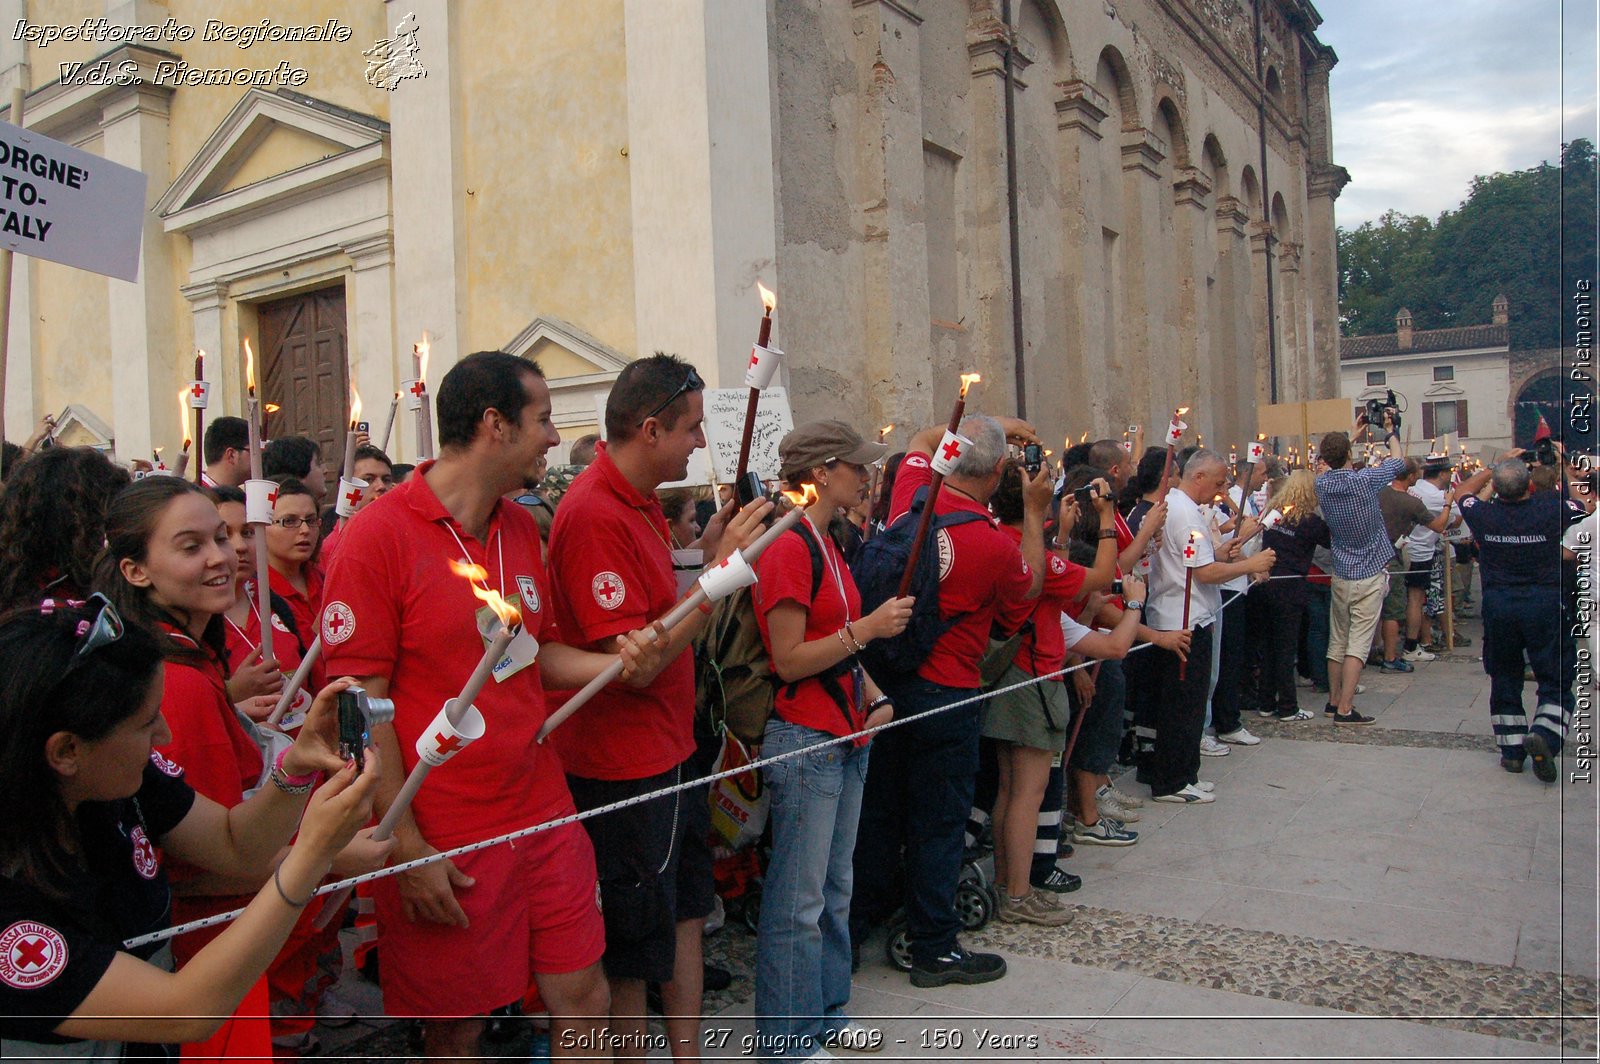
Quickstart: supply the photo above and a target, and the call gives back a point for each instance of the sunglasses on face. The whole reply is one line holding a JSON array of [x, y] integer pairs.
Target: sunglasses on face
[[691, 383]]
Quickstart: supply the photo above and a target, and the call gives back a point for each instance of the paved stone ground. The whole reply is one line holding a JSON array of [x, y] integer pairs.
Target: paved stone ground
[[1374, 893]]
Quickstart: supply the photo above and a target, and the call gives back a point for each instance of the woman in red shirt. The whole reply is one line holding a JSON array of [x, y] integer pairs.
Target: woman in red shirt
[[169, 567], [809, 612], [253, 685]]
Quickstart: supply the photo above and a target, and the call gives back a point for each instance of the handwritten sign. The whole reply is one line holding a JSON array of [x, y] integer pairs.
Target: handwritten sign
[[67, 205], [725, 429]]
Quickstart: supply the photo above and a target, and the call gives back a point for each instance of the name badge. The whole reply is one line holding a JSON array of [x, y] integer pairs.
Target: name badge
[[523, 650]]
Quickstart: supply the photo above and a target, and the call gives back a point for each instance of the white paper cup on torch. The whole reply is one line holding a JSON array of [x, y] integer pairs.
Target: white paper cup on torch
[[1258, 452], [447, 737], [763, 366], [726, 577], [413, 393], [949, 452], [199, 395], [1175, 430], [259, 496], [351, 490]]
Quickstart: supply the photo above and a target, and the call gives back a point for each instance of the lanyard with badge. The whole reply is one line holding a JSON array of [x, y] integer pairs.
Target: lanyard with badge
[[524, 648], [858, 676]]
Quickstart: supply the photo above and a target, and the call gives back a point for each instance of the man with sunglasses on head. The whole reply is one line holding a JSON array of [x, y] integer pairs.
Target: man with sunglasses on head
[[611, 567]]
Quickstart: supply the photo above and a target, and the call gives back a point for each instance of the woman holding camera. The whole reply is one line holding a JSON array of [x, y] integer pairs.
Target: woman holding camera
[[89, 801], [809, 613], [169, 567]]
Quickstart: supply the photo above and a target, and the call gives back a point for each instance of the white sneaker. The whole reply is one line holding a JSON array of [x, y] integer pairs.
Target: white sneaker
[[1106, 801], [1124, 799], [1417, 655], [1211, 748], [1204, 785], [1239, 737], [1361, 688], [1190, 795]]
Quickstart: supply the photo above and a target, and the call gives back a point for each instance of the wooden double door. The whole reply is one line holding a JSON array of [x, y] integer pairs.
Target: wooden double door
[[306, 369]]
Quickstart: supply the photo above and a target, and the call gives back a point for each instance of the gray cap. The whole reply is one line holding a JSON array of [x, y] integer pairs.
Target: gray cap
[[820, 442]]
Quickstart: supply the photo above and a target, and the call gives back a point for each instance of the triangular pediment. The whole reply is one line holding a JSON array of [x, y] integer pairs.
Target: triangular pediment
[[272, 148], [567, 353], [78, 426]]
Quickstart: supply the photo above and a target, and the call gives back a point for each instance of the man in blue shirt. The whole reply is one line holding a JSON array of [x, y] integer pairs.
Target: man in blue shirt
[[1519, 542], [1361, 554]]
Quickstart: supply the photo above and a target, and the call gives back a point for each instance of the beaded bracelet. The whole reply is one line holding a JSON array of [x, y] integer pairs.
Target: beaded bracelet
[[291, 785]]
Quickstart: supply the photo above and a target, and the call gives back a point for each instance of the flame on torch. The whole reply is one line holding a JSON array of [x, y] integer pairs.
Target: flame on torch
[[1261, 437], [183, 417], [355, 407], [1178, 413], [476, 575], [1286, 508], [1084, 438], [422, 347], [272, 408], [890, 428], [802, 498], [967, 381], [769, 298], [250, 368]]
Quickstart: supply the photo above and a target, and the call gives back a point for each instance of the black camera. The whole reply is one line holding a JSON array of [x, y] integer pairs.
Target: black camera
[[1116, 586], [358, 712], [1544, 452], [1086, 494], [1377, 408], [1032, 458]]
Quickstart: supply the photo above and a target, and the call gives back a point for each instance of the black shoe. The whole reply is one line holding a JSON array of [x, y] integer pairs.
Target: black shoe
[[1058, 881], [1353, 718], [715, 979], [959, 966], [1511, 764], [1544, 762], [1330, 710]]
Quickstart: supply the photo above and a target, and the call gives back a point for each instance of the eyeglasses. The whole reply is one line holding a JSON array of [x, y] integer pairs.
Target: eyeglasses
[[105, 629], [691, 383], [292, 522]]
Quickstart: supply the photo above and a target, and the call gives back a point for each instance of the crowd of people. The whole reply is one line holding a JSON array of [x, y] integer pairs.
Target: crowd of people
[[1125, 608]]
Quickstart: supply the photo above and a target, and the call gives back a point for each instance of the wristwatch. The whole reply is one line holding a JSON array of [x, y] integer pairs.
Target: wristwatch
[[1134, 604]]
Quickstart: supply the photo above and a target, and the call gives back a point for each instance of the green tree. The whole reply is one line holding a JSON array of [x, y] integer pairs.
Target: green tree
[[1528, 234]]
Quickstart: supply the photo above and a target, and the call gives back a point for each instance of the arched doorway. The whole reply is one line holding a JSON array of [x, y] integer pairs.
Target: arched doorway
[[1551, 395]]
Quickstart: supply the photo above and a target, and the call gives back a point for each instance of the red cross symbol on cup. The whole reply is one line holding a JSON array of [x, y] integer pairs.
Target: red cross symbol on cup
[[30, 953], [755, 359], [447, 746], [353, 496], [952, 450], [272, 497], [419, 387], [197, 389]]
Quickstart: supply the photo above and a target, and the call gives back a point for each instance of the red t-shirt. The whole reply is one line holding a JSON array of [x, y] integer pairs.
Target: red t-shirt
[[243, 640], [219, 761], [394, 609], [784, 572], [611, 567], [1045, 649], [306, 608], [982, 577]]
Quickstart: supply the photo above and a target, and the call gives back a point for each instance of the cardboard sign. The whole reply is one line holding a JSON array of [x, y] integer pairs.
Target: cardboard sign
[[70, 206], [725, 427]]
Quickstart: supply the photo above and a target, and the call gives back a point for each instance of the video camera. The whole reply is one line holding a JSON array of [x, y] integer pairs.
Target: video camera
[[1377, 408]]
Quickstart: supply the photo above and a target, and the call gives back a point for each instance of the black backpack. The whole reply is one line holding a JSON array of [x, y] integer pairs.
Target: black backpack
[[878, 568]]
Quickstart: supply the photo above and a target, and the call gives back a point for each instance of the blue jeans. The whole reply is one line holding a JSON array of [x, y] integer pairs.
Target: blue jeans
[[919, 793], [1319, 600], [803, 949], [1096, 749]]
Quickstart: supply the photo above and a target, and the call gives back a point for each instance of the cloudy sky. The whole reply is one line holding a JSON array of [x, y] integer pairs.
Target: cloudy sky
[[1429, 93]]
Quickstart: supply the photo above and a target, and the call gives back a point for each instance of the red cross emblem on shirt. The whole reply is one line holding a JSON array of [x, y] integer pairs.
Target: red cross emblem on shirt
[[197, 390], [419, 387], [335, 622], [952, 451], [1188, 552], [31, 953], [607, 589], [447, 746], [353, 496]]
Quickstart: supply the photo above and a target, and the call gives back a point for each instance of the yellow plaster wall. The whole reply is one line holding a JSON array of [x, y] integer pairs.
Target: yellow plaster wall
[[558, 362], [549, 228], [44, 63], [72, 329], [282, 150]]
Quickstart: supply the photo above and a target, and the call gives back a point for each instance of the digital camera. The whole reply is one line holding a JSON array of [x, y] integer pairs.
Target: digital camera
[[358, 712]]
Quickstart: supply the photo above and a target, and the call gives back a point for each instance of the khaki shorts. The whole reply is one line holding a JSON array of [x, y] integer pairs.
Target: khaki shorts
[[1353, 617], [1394, 603]]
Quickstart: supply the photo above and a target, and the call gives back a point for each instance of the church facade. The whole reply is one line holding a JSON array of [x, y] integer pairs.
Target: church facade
[[1107, 207]]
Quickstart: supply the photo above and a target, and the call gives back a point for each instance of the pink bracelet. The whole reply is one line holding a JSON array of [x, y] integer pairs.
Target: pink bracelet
[[293, 781]]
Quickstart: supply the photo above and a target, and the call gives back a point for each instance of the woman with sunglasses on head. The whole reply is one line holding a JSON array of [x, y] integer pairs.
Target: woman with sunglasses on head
[[809, 612], [168, 567], [91, 807]]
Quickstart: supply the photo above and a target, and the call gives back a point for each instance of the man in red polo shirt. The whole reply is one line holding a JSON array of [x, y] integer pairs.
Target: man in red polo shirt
[[463, 937], [611, 567], [921, 776]]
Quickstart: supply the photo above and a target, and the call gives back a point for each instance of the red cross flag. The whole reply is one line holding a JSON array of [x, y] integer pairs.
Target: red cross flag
[[949, 452], [259, 495], [441, 740], [351, 490], [726, 577], [415, 389], [763, 365], [199, 394]]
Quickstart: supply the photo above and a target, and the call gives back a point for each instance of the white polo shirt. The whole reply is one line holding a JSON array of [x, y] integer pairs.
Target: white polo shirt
[[1185, 528]]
